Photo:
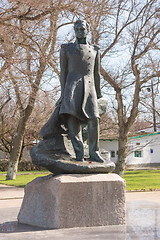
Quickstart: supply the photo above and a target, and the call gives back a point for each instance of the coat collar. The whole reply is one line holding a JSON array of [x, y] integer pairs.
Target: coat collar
[[78, 45]]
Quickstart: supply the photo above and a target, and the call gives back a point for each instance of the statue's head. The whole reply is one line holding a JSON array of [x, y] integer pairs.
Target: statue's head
[[81, 28]]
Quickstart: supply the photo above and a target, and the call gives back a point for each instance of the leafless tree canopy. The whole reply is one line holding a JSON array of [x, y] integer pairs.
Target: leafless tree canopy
[[31, 33]]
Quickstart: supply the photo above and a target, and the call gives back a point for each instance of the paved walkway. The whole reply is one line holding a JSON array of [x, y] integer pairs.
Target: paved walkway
[[143, 220]]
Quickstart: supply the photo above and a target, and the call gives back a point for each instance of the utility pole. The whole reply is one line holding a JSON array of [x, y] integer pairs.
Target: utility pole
[[153, 107]]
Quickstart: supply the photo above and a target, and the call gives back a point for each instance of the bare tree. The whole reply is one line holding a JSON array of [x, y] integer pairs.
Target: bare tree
[[150, 103], [108, 125], [140, 26], [127, 32], [31, 55]]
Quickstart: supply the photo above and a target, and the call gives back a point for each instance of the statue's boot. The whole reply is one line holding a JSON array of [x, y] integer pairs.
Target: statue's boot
[[93, 138], [75, 134]]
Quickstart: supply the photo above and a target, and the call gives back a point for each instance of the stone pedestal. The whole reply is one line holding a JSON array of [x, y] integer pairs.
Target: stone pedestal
[[74, 200]]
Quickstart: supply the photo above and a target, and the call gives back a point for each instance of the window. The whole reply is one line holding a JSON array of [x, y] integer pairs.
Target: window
[[113, 154], [138, 153]]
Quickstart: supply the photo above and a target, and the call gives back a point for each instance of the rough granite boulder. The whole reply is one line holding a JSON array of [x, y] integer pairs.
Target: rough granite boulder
[[74, 200]]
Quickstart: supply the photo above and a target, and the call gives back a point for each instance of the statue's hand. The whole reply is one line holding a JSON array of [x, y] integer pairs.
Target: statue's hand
[[59, 100], [102, 105]]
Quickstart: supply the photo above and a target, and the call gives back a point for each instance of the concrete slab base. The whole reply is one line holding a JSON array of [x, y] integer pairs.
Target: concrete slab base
[[74, 200]]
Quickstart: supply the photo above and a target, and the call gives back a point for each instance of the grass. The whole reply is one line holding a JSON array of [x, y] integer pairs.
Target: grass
[[22, 178], [135, 180], [27, 172], [142, 180]]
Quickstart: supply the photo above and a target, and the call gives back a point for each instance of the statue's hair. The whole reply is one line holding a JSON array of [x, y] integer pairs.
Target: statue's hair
[[82, 21]]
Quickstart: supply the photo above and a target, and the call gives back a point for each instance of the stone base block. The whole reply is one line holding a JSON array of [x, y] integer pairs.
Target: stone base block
[[74, 200]]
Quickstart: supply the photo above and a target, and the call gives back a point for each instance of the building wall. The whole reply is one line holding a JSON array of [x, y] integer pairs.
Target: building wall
[[110, 146], [147, 146], [142, 149]]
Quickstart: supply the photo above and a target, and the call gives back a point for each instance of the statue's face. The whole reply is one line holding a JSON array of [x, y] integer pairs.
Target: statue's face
[[80, 30]]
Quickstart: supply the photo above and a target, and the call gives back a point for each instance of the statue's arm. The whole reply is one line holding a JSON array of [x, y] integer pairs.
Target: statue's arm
[[97, 73], [63, 70]]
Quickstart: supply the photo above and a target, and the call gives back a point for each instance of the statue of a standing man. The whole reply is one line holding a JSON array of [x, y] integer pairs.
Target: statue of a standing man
[[80, 89]]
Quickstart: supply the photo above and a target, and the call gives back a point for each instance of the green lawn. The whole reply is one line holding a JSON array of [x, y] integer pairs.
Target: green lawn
[[22, 178], [142, 180], [135, 180]]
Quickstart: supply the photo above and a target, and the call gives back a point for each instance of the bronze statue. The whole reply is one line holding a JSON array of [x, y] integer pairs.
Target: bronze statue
[[80, 89], [77, 106]]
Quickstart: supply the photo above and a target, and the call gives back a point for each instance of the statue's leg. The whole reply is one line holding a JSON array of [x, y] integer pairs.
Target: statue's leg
[[75, 133], [93, 139]]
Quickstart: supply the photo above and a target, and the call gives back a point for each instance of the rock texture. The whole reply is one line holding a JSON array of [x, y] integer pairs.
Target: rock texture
[[74, 200]]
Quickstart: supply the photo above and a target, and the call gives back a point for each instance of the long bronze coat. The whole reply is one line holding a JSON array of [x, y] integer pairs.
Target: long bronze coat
[[80, 80]]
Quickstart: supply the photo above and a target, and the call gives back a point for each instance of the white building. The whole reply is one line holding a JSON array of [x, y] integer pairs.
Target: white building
[[111, 146], [144, 150]]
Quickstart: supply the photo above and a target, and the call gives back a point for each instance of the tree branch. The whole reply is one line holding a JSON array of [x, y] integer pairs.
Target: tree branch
[[124, 26]]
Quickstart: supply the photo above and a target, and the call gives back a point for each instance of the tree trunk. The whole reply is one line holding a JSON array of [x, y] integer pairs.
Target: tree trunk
[[21, 154], [16, 150], [122, 153]]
